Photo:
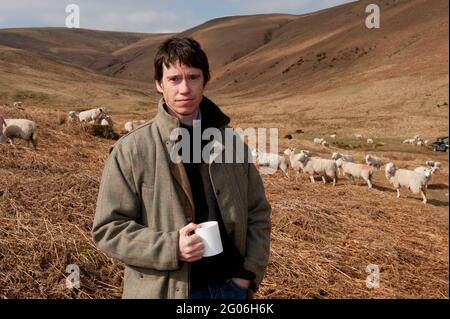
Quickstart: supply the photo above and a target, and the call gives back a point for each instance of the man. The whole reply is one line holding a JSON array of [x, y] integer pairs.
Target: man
[[150, 205]]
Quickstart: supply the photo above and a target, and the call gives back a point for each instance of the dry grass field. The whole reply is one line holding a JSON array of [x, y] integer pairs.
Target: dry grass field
[[320, 73]]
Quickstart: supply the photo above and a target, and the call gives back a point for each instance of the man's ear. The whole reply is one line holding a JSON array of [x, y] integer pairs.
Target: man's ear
[[159, 87]]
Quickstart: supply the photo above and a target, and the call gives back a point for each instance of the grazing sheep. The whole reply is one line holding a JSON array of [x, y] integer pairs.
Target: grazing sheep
[[21, 128], [318, 166], [318, 141], [335, 156], [409, 141], [369, 141], [333, 136], [373, 161], [73, 116], [416, 182], [129, 126], [427, 172], [106, 121], [293, 155], [358, 136], [272, 160], [420, 143], [353, 170], [17, 104], [93, 116], [324, 143], [2, 124]]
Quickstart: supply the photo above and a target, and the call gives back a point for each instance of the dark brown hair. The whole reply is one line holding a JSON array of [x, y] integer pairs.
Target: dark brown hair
[[181, 50]]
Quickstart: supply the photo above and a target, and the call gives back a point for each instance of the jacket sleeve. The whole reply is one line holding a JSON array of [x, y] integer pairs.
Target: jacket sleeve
[[258, 227], [116, 229]]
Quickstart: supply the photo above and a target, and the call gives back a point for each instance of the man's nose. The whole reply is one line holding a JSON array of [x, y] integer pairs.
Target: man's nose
[[184, 86]]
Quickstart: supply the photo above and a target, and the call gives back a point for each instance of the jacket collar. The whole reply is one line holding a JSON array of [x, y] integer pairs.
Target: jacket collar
[[212, 116]]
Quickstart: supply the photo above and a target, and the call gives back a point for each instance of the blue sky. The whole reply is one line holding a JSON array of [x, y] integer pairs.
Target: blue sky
[[145, 15]]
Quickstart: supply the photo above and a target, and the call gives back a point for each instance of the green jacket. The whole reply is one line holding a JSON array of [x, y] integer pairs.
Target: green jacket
[[145, 198]]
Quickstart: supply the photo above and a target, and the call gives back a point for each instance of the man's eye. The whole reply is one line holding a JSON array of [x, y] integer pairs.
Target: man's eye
[[173, 79]]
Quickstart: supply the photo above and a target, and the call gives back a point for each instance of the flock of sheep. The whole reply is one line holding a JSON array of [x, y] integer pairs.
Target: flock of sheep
[[25, 129], [321, 141], [302, 160], [299, 160]]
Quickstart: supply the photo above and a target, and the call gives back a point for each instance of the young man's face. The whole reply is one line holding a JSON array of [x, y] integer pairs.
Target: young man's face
[[182, 87]]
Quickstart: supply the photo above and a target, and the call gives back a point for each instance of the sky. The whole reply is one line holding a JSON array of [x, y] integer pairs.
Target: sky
[[147, 16]]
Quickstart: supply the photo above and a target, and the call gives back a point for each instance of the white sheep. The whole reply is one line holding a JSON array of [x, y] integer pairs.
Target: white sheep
[[420, 143], [333, 136], [409, 141], [358, 136], [369, 141], [353, 170], [318, 140], [106, 121], [93, 115], [335, 156], [21, 128], [72, 116], [427, 172], [416, 182], [293, 155], [318, 166], [373, 161], [17, 104], [129, 126], [272, 160], [324, 143]]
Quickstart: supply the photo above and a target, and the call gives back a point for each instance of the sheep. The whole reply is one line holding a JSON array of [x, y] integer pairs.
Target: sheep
[[318, 140], [2, 124], [430, 163], [409, 141], [72, 116], [106, 121], [320, 166], [335, 156], [272, 160], [353, 170], [92, 115], [345, 157], [369, 141], [324, 143], [373, 161], [129, 126], [17, 104], [416, 182], [358, 136], [21, 128], [293, 155], [427, 172], [333, 136], [420, 143]]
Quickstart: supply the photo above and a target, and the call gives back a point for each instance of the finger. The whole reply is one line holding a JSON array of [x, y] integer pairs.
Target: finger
[[193, 239], [186, 230], [194, 249]]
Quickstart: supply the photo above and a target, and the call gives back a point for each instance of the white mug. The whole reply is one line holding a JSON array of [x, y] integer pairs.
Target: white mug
[[209, 232]]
